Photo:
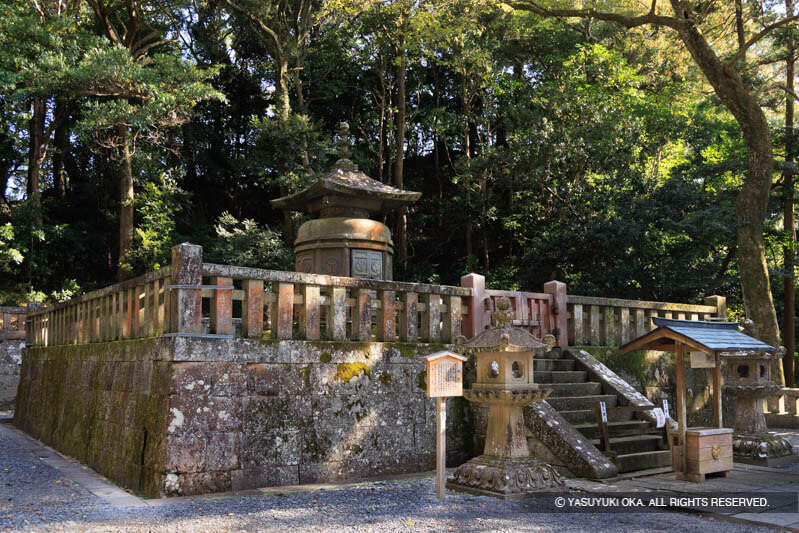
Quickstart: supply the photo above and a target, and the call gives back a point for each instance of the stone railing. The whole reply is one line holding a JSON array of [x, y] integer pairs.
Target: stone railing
[[12, 323], [138, 307], [192, 298], [266, 303], [613, 322], [541, 313]]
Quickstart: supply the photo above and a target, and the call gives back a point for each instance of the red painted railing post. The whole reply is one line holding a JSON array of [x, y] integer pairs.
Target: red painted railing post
[[559, 312], [474, 323]]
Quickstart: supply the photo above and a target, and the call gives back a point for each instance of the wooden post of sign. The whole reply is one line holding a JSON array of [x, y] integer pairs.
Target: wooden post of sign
[[681, 411], [717, 418], [441, 446]]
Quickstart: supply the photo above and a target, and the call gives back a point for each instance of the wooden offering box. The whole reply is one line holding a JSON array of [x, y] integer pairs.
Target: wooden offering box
[[709, 451]]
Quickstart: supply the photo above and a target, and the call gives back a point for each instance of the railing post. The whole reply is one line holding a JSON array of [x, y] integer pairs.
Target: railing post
[[283, 310], [475, 323], [362, 315], [252, 323], [453, 322], [559, 311], [386, 323], [431, 318], [222, 307], [30, 323], [186, 305], [409, 317], [720, 303]]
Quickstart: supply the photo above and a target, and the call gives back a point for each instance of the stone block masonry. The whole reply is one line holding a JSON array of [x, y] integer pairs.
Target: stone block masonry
[[181, 416], [10, 361]]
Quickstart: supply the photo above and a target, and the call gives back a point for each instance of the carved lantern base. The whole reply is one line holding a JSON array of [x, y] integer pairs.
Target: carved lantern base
[[762, 449], [507, 479]]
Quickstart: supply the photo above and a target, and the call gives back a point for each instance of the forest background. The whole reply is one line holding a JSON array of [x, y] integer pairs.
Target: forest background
[[574, 148]]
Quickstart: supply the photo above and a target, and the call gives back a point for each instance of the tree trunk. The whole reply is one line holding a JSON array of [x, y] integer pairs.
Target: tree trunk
[[36, 155], [60, 149], [752, 201], [402, 219], [790, 233], [306, 161], [125, 204], [282, 104]]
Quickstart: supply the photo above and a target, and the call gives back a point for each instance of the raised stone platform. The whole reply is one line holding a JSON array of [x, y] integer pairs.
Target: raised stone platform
[[181, 416]]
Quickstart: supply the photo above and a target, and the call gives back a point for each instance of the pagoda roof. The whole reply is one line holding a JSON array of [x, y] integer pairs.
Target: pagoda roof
[[707, 337], [345, 180]]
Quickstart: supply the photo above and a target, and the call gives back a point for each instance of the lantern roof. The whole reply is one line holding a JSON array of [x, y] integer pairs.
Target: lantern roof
[[703, 336], [506, 340]]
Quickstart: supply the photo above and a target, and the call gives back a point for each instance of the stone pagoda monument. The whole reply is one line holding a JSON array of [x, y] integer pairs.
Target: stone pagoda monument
[[505, 384], [344, 241]]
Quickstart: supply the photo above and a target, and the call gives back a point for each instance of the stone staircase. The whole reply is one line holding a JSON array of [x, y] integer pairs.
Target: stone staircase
[[575, 391]]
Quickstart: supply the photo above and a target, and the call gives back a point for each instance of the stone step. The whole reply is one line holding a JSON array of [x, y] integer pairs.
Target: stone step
[[643, 460], [632, 444], [572, 389], [558, 376], [591, 430], [571, 403], [543, 365], [586, 416]]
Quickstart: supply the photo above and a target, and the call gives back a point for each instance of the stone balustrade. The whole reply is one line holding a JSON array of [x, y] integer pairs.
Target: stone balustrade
[[271, 303], [192, 298], [12, 323], [613, 322]]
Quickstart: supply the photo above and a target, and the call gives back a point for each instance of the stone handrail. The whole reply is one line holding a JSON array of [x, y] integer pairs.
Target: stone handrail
[[301, 306], [614, 322], [12, 323]]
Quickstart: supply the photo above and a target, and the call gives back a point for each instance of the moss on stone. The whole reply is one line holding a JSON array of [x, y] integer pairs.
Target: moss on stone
[[306, 375], [345, 372], [326, 357], [423, 380], [385, 379], [631, 364], [354, 449]]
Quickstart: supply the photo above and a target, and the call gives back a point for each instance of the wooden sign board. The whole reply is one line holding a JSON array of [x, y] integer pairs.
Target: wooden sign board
[[702, 360], [444, 374]]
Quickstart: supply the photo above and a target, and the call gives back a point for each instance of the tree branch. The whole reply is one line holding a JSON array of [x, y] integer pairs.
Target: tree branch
[[755, 39], [651, 17]]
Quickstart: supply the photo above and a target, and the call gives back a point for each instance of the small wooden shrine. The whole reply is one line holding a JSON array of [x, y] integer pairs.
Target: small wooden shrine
[[697, 452], [344, 241]]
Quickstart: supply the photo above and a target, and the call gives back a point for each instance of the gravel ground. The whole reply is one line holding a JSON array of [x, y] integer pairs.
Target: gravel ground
[[34, 498]]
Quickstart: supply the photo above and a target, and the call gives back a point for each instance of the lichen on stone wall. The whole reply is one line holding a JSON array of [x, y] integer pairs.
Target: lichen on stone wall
[[346, 372]]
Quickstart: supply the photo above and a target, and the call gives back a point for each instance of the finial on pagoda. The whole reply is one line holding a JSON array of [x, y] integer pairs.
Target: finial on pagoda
[[344, 141], [344, 151]]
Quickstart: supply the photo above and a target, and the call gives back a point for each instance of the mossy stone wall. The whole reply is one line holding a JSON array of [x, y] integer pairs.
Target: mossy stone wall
[[10, 362], [190, 416]]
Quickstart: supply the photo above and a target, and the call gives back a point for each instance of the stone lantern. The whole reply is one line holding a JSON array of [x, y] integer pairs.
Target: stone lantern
[[504, 359], [747, 377], [344, 241]]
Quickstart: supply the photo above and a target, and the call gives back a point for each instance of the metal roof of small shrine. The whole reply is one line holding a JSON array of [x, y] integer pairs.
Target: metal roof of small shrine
[[712, 336], [346, 180]]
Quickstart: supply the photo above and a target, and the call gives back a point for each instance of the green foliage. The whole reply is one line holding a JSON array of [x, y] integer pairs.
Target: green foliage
[[9, 255], [244, 243]]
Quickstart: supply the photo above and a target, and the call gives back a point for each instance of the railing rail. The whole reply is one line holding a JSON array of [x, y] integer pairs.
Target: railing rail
[[12, 323], [614, 322]]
